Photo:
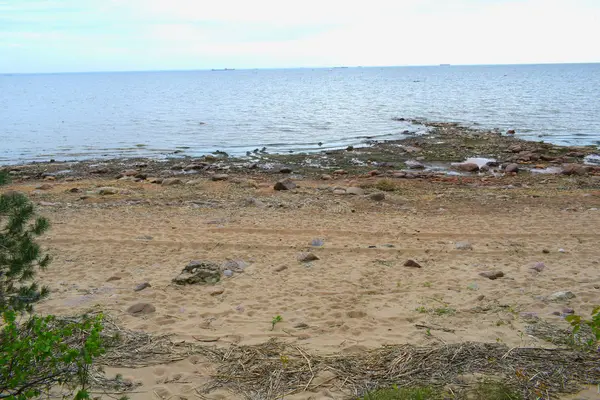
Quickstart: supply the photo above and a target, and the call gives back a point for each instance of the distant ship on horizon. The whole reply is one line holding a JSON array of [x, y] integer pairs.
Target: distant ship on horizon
[[444, 65], [223, 69]]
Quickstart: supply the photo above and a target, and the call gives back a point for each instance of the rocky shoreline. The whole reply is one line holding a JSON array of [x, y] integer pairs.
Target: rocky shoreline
[[448, 150]]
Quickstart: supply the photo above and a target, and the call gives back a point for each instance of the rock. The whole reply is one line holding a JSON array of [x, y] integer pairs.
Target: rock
[[379, 196], [307, 257], [350, 148], [171, 181], [546, 251], [220, 177], [202, 272], [493, 275], [317, 242], [467, 167], [561, 296], [463, 246], [285, 170], [234, 265], [412, 264], [575, 169], [157, 181], [355, 191], [194, 182], [480, 297], [339, 191], [142, 286], [281, 268], [141, 309], [74, 190], [510, 168], [103, 191], [411, 164], [374, 172], [228, 273], [45, 186], [301, 325], [194, 167], [129, 172], [340, 172], [285, 184], [217, 291], [484, 168], [325, 177], [539, 266], [510, 132], [99, 171], [356, 314], [113, 278], [568, 311], [50, 178], [251, 201]]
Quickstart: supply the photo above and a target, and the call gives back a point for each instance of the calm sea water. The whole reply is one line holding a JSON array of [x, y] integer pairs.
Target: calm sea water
[[96, 115]]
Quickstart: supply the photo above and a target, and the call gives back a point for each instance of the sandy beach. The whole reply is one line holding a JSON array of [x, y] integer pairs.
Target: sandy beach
[[360, 294]]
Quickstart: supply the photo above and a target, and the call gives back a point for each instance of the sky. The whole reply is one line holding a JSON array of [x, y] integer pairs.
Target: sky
[[132, 35]]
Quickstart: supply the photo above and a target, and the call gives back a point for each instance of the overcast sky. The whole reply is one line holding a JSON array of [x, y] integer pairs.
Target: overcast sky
[[114, 35]]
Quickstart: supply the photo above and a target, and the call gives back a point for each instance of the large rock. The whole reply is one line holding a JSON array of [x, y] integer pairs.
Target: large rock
[[285, 184], [575, 169], [412, 164], [467, 167], [199, 272], [356, 191], [510, 168]]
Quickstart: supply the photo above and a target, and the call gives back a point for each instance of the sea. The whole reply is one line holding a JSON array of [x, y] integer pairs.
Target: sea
[[75, 116]]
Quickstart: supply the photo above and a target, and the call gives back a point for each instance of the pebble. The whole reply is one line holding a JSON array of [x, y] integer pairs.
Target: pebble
[[285, 170], [217, 291], [317, 242], [339, 191], [562, 251], [356, 191], [141, 309], [142, 286], [528, 315], [377, 196], [539, 266], [45, 186], [325, 177], [463, 246], [228, 273], [568, 311], [480, 297], [412, 264], [561, 296], [356, 314], [103, 191], [220, 177], [306, 257], [113, 278], [281, 268], [546, 251], [493, 275]]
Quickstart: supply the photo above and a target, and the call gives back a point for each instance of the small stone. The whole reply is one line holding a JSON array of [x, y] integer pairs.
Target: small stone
[[129, 172], [467, 167], [562, 251], [228, 273], [546, 251], [113, 278], [350, 148], [561, 296], [217, 291], [74, 190], [50, 178], [171, 181], [157, 181], [356, 191], [379, 196], [575, 169], [285, 170], [317, 242], [480, 297], [412, 264], [220, 177], [301, 325], [356, 314], [234, 265], [493, 275], [251, 201], [325, 177], [285, 184], [339, 191], [45, 186], [539, 266], [510, 168], [510, 132], [374, 172], [568, 311], [528, 315], [307, 257], [463, 246], [103, 191], [281, 268], [142, 286], [141, 309], [340, 172]]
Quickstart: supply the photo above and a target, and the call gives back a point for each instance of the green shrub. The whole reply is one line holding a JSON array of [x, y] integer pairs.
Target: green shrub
[[577, 322], [395, 393], [386, 185]]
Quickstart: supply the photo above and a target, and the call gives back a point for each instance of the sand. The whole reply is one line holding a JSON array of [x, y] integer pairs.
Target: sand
[[358, 295]]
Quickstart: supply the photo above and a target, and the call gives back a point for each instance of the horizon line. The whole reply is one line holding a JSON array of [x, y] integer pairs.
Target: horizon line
[[224, 69]]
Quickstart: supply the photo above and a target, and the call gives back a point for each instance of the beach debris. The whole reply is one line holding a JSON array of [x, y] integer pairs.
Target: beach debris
[[220, 177], [480, 297], [141, 309], [142, 286], [285, 184], [412, 264], [307, 257], [355, 191], [317, 242], [493, 275], [202, 272], [538, 267], [301, 325], [171, 181], [379, 196], [510, 168], [561, 296], [463, 246], [473, 286]]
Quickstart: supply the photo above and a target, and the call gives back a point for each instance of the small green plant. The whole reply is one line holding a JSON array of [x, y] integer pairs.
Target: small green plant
[[577, 322], [492, 390], [395, 393], [421, 310], [386, 185], [275, 320], [427, 284], [428, 332], [444, 311]]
